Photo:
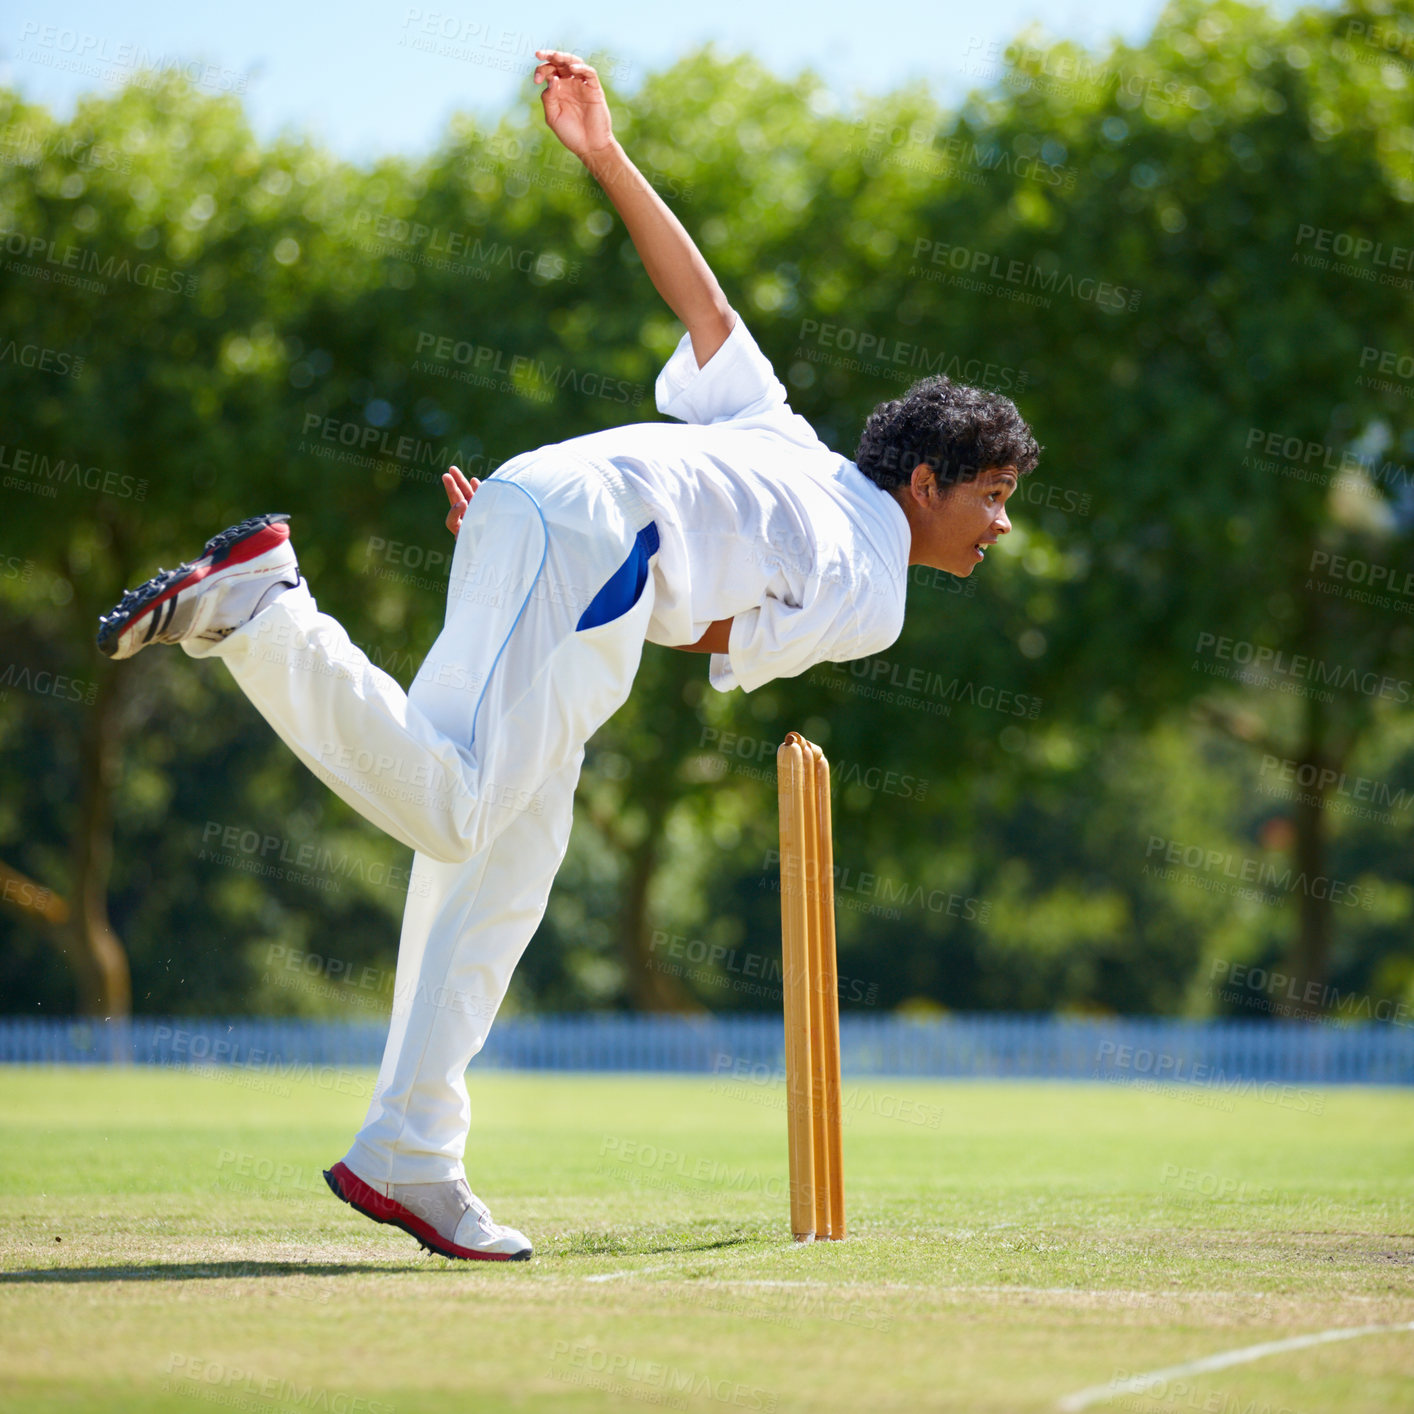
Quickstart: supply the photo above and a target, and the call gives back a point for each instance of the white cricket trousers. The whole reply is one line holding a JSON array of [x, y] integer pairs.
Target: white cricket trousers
[[474, 767]]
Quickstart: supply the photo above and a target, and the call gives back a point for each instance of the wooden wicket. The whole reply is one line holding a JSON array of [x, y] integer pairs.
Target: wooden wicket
[[811, 987]]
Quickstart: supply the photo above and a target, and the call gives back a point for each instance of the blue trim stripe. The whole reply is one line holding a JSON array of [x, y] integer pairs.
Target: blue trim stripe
[[626, 583]]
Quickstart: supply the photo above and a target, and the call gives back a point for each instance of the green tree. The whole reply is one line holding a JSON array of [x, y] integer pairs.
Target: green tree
[[1119, 240]]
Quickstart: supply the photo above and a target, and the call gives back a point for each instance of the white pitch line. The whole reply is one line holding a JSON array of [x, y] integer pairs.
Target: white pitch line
[[821, 1284], [1137, 1384], [618, 1276]]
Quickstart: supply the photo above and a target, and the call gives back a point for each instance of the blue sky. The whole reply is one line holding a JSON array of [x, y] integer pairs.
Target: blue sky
[[367, 77]]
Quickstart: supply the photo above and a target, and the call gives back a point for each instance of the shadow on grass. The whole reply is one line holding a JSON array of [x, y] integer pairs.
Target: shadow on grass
[[227, 1271], [604, 1245], [699, 1246], [205, 1271]]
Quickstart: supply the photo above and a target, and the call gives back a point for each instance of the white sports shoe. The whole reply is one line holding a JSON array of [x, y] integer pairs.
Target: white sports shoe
[[207, 598], [444, 1217]]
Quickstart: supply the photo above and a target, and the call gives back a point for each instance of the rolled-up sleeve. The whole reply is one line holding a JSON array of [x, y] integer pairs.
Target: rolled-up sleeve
[[776, 640], [781, 640], [737, 381]]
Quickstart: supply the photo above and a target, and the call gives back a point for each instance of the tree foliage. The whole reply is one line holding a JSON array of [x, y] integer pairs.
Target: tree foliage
[[1176, 257]]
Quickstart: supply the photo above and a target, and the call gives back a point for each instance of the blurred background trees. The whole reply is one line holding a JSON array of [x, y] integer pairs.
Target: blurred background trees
[[1165, 731]]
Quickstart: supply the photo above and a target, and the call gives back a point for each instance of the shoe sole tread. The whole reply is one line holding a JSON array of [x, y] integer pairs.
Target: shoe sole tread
[[135, 602]]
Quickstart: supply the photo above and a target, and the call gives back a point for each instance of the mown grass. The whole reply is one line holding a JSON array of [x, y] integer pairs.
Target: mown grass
[[167, 1242]]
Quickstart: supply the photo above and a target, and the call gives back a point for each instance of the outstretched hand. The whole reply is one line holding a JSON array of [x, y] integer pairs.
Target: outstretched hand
[[575, 106], [460, 490]]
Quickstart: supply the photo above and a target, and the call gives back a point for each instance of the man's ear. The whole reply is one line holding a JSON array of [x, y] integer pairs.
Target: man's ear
[[923, 481]]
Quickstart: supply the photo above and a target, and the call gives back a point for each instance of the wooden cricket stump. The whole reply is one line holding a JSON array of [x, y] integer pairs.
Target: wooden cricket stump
[[811, 987]]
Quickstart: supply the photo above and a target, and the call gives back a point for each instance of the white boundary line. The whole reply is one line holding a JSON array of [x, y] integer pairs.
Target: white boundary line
[[1137, 1384]]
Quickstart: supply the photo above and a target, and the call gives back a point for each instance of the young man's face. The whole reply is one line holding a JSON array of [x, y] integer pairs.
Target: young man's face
[[952, 525]]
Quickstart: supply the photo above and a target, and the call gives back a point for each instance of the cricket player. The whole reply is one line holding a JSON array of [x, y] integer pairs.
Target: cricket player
[[732, 531]]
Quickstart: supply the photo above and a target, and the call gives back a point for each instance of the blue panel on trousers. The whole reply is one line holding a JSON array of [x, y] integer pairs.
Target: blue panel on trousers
[[626, 583]]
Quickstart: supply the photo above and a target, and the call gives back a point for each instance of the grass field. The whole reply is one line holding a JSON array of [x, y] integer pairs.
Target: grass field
[[167, 1242]]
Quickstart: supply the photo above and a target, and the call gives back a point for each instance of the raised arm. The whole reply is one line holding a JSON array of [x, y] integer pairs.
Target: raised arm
[[578, 114]]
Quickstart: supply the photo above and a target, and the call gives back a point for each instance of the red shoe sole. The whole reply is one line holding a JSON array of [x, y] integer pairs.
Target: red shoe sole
[[351, 1189], [235, 546]]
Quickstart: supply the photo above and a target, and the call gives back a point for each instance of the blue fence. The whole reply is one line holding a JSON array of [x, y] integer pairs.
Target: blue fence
[[991, 1046]]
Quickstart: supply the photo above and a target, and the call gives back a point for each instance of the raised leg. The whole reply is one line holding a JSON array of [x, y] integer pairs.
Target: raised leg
[[507, 697]]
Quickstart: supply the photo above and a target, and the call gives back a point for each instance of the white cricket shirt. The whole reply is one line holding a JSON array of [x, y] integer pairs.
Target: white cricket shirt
[[758, 521]]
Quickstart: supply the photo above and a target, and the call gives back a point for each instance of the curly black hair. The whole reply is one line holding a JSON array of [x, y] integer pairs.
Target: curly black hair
[[958, 430]]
